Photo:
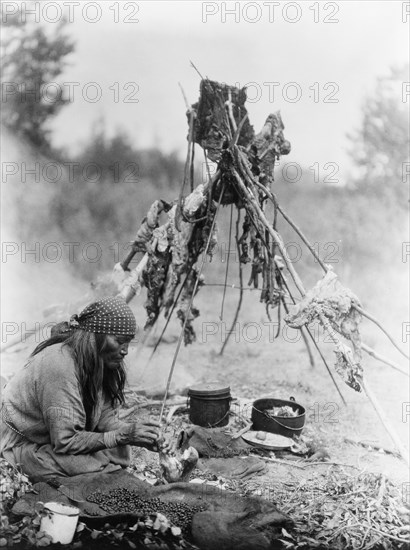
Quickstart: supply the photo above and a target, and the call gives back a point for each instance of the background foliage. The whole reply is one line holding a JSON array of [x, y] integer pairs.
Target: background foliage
[[105, 197]]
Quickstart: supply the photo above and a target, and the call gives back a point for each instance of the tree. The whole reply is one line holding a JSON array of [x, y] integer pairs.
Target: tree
[[116, 160], [380, 148], [32, 60]]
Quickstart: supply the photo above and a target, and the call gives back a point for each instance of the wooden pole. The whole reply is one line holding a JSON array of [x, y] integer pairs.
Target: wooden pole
[[132, 284], [238, 307], [294, 226], [377, 323], [372, 398], [386, 423], [364, 346], [174, 360], [276, 237], [384, 360]]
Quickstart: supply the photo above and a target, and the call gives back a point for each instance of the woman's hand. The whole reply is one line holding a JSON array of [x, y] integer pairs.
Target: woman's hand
[[142, 434]]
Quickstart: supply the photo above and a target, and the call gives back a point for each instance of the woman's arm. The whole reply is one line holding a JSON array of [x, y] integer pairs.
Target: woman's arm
[[142, 434], [60, 401], [110, 419]]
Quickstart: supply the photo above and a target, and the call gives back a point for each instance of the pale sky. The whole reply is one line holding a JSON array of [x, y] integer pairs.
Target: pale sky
[[150, 54]]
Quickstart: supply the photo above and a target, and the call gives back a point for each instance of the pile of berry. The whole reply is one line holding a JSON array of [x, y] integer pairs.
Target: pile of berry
[[178, 513]]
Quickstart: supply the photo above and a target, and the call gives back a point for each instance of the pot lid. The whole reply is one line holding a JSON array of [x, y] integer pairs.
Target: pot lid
[[209, 388]]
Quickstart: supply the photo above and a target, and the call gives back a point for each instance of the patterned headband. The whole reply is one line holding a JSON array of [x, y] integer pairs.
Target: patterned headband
[[106, 316]]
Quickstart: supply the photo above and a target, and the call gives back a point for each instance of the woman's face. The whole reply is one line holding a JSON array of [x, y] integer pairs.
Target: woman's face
[[115, 349]]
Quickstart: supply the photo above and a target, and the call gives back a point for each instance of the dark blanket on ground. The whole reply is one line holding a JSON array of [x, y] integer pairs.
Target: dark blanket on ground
[[228, 521], [215, 443]]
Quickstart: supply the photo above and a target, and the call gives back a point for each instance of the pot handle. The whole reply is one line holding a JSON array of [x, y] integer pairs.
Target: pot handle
[[291, 398]]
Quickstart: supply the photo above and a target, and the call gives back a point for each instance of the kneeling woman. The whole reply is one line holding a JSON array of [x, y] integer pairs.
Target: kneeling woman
[[60, 412]]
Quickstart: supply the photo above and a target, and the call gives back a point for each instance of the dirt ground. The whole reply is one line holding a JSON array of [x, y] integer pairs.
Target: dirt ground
[[255, 365]]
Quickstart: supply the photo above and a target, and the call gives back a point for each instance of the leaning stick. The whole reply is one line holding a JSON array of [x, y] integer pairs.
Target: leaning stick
[[276, 237], [382, 359], [230, 111], [227, 265], [238, 307], [311, 358], [132, 285], [174, 360], [304, 239], [376, 322], [193, 66], [294, 226], [339, 391], [307, 329], [168, 319], [371, 397], [384, 420], [326, 269], [306, 341], [187, 105], [238, 131], [144, 233], [187, 169]]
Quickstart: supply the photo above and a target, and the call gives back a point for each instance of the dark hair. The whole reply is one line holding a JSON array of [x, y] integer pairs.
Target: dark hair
[[86, 349]]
